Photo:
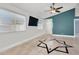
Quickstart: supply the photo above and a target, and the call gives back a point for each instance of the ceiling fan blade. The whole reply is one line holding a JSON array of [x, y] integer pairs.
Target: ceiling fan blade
[[58, 11], [59, 7]]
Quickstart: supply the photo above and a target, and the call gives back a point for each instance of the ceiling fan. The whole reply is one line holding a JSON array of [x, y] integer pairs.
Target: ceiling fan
[[53, 9]]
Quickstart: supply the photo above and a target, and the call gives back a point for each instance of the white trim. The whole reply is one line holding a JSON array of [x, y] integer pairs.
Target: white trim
[[76, 19], [63, 35], [74, 28]]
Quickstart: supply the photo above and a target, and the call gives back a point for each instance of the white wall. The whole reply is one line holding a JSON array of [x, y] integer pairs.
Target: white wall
[[48, 25], [8, 40], [14, 9]]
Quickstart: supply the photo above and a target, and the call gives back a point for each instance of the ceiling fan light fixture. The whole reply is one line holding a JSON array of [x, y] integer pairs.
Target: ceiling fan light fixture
[[54, 9]]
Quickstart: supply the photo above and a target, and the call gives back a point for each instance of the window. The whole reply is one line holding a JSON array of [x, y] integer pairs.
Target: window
[[10, 21]]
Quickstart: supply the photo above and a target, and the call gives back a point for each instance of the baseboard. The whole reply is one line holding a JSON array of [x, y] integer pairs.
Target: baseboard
[[63, 35]]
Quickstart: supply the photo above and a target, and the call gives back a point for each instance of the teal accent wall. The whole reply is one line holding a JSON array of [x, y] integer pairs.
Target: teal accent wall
[[63, 24]]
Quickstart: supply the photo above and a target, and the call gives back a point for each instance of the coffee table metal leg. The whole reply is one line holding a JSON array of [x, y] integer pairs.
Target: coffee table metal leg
[[55, 49]]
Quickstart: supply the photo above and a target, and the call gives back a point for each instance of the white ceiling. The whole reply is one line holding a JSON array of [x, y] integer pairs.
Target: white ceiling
[[39, 9]]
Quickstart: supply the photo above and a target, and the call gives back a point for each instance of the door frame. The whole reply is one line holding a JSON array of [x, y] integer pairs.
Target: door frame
[[76, 19]]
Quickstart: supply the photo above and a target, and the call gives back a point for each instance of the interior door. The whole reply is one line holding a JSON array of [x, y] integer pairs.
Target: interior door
[[76, 27]]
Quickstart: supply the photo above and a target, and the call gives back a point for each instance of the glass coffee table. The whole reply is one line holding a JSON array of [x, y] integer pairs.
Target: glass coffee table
[[60, 44]]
